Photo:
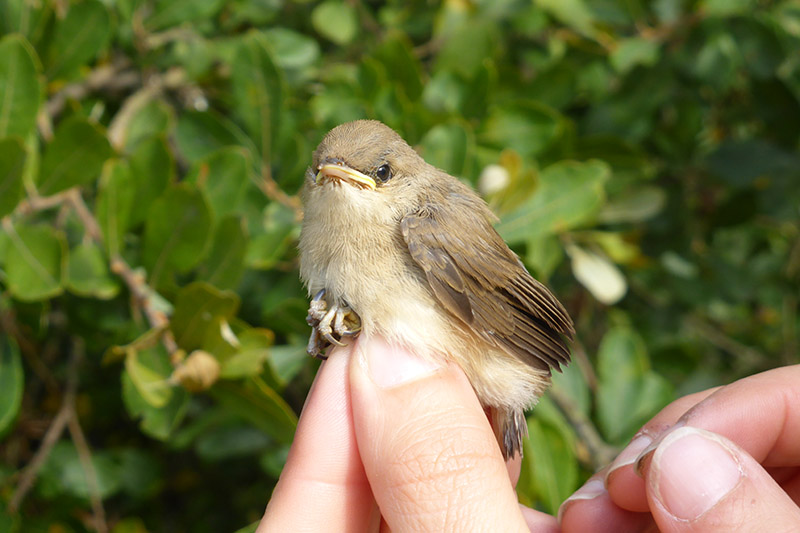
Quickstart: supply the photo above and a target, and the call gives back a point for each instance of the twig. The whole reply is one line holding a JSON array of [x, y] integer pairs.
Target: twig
[[114, 76], [599, 453], [52, 435], [744, 354], [85, 456], [273, 191]]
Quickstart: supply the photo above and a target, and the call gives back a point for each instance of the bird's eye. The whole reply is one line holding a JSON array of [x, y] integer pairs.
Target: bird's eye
[[384, 173]]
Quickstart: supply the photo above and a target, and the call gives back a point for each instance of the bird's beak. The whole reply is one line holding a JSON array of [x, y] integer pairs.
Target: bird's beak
[[340, 172]]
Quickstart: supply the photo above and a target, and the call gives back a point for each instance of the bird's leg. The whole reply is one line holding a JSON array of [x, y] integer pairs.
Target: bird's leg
[[330, 324]]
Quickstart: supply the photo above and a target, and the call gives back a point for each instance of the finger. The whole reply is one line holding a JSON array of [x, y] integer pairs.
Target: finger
[[624, 485], [427, 447], [591, 509], [701, 481], [323, 486], [759, 413]]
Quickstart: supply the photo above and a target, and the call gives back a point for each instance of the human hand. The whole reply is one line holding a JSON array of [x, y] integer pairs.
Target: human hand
[[386, 439], [726, 459]]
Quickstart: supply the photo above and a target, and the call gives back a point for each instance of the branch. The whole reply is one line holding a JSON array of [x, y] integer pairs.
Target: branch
[[52, 435], [272, 190], [597, 453]]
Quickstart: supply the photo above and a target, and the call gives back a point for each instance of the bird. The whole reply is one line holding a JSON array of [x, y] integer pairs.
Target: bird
[[393, 246]]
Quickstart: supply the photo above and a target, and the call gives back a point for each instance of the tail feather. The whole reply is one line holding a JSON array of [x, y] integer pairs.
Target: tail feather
[[510, 427]]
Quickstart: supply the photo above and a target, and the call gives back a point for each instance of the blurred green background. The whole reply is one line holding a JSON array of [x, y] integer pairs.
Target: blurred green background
[[643, 156]]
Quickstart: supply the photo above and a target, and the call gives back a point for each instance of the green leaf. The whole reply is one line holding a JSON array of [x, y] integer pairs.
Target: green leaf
[[198, 306], [199, 134], [633, 52], [573, 13], [223, 176], [151, 120], [544, 254], [145, 369], [88, 275], [527, 128], [257, 92], [293, 50], [114, 204], [80, 37], [176, 231], [447, 146], [35, 262], [266, 249], [152, 169], [225, 264], [569, 195], [20, 90], [64, 474], [174, 12], [12, 383], [629, 393], [258, 403], [158, 422], [726, 8], [252, 352], [637, 205], [75, 156], [336, 21], [12, 165], [549, 468], [401, 65]]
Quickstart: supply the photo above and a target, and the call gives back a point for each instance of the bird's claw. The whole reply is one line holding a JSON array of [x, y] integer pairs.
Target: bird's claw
[[330, 325]]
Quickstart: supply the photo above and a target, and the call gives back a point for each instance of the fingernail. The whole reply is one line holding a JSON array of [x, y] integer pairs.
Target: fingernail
[[629, 455], [691, 471], [390, 366], [647, 453], [593, 488]]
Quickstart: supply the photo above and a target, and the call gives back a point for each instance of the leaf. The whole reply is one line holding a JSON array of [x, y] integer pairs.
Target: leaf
[[629, 393], [726, 8], [151, 120], [633, 52], [637, 205], [293, 50], [200, 133], [595, 272], [144, 371], [174, 12], [12, 383], [114, 204], [158, 422], [447, 146], [402, 67], [569, 195], [88, 275], [63, 473], [544, 254], [198, 306], [77, 39], [75, 156], [152, 169], [573, 13], [527, 128], [225, 264], [224, 176], [249, 359], [176, 231], [12, 165], [35, 262], [549, 468], [20, 90], [256, 402], [336, 21], [257, 92]]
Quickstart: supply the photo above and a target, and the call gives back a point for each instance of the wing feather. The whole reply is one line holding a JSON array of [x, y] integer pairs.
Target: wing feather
[[477, 278]]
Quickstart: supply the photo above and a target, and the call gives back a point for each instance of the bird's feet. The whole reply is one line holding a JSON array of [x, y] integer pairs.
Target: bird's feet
[[330, 324]]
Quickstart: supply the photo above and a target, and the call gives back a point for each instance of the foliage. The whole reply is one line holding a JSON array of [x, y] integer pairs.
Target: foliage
[[643, 158]]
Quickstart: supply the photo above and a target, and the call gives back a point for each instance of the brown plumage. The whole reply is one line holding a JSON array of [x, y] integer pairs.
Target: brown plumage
[[402, 249]]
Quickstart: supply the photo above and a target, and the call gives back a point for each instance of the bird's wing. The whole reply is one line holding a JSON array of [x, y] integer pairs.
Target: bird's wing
[[477, 278]]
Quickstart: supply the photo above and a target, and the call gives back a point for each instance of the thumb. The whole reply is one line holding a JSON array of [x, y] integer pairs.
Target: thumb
[[700, 481], [426, 445]]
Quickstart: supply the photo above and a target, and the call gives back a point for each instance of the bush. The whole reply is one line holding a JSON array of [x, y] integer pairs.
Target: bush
[[642, 156]]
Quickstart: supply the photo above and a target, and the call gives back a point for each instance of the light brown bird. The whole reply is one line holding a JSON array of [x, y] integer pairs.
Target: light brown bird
[[391, 245]]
